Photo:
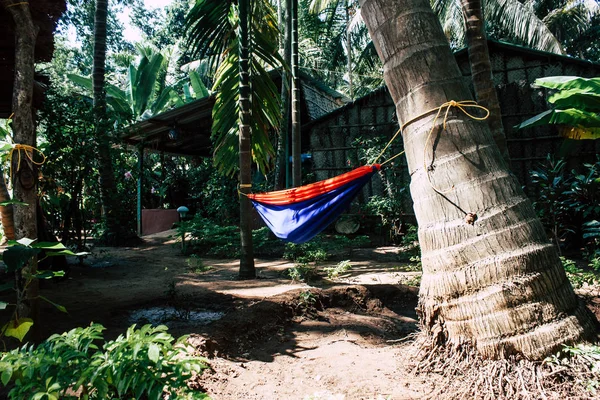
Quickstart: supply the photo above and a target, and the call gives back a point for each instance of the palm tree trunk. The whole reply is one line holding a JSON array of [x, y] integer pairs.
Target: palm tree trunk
[[296, 132], [25, 174], [108, 187], [282, 162], [349, 51], [247, 269], [490, 279], [481, 71]]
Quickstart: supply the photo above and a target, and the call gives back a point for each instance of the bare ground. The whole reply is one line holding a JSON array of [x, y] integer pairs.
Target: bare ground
[[348, 339]]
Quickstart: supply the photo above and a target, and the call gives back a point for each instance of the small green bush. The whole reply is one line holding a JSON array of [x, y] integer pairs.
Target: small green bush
[[577, 276], [302, 273], [322, 248], [196, 265], [211, 239], [341, 268], [143, 363]]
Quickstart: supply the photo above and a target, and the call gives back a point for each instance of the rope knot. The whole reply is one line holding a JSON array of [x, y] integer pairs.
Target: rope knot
[[461, 105], [28, 150]]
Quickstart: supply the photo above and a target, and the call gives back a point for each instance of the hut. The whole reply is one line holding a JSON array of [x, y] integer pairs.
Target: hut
[[186, 131], [45, 14], [338, 138]]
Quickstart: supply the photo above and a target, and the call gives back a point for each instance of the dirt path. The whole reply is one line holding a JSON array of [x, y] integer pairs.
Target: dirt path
[[266, 344]]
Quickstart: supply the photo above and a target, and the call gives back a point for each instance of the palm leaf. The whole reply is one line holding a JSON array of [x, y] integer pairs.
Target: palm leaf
[[576, 98], [212, 28], [569, 82], [199, 89], [571, 117]]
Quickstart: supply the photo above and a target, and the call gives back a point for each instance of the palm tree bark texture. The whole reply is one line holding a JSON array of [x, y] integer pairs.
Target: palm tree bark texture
[[114, 231], [481, 71], [247, 268], [25, 174], [490, 276]]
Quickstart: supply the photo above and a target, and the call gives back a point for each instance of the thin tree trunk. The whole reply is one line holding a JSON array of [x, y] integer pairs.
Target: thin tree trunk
[[113, 234], [349, 51], [481, 71], [490, 278], [247, 269], [296, 132], [282, 144], [25, 174]]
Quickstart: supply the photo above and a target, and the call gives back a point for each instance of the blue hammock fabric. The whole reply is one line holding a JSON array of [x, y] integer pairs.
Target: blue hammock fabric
[[298, 215]]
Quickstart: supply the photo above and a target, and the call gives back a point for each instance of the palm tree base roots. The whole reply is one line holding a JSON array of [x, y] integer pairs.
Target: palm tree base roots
[[459, 372]]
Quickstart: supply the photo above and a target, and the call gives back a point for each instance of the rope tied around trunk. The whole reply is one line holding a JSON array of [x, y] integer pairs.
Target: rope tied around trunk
[[470, 217], [28, 150], [16, 4], [461, 105]]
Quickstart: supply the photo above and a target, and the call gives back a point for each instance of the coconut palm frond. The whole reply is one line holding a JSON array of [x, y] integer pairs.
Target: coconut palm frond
[[522, 24], [216, 38]]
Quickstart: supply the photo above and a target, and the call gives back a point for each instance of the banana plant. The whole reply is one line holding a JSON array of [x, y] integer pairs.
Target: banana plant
[[146, 93], [576, 107], [212, 29], [14, 260]]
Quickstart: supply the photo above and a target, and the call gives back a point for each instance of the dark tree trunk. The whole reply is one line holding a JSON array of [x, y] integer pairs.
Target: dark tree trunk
[[116, 233], [247, 270], [24, 173], [481, 71], [490, 278], [284, 131], [296, 132]]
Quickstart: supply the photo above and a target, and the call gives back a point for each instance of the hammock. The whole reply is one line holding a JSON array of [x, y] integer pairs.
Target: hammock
[[299, 214]]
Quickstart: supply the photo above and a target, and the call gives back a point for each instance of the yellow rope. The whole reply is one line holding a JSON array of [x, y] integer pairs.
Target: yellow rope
[[388, 145], [461, 105], [243, 185], [16, 4], [28, 150]]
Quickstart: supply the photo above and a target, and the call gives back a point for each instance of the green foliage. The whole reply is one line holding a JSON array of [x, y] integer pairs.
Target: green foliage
[[302, 272], [143, 363], [576, 107], [417, 261], [196, 265], [568, 202], [322, 247], [307, 303], [411, 236], [580, 355], [213, 32], [15, 259], [595, 264], [209, 238], [341, 268], [147, 92], [577, 276]]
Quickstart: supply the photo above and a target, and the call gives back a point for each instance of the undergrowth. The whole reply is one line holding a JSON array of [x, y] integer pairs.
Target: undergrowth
[[339, 269], [143, 363], [577, 276]]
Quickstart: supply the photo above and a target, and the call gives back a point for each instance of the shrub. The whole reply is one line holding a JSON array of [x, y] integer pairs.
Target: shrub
[[209, 238], [143, 363], [322, 247], [302, 273], [339, 269], [577, 276]]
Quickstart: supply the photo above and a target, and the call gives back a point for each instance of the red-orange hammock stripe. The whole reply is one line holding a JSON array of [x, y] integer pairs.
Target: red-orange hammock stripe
[[299, 214]]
